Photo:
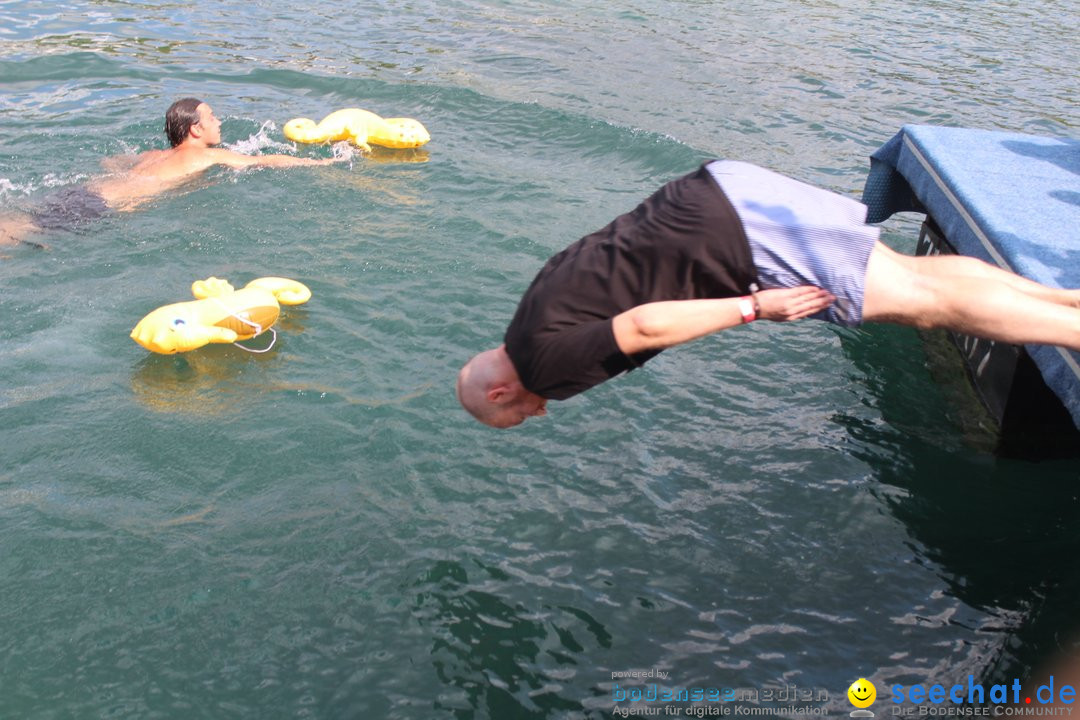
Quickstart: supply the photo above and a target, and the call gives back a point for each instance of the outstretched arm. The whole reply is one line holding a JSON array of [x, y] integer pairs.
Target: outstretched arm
[[233, 159], [659, 325]]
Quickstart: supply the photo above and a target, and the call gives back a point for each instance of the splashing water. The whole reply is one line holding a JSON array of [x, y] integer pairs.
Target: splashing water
[[261, 141], [344, 150]]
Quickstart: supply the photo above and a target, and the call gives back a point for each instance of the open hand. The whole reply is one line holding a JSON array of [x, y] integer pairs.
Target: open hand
[[786, 304], [342, 151]]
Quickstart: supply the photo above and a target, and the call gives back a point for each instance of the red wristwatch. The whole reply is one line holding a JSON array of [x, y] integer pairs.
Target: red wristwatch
[[747, 307]]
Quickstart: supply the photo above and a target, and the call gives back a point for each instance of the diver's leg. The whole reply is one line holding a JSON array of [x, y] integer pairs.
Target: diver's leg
[[950, 266], [980, 303]]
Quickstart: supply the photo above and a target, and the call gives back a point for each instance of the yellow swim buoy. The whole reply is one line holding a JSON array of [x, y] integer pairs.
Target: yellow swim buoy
[[359, 127], [221, 314]]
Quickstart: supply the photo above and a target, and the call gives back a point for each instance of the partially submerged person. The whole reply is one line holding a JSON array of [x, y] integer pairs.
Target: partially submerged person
[[721, 247], [193, 132]]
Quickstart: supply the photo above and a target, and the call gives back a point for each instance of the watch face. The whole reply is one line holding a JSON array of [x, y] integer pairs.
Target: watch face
[[746, 307]]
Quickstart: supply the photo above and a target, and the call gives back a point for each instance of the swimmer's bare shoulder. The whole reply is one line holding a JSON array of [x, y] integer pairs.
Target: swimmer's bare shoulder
[[173, 163], [151, 173], [155, 171], [119, 163]]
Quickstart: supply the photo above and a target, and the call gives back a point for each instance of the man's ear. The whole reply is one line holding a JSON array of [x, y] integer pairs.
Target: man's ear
[[498, 394]]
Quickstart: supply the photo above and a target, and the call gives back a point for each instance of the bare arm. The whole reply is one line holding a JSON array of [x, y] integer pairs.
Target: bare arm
[[659, 325], [233, 159]]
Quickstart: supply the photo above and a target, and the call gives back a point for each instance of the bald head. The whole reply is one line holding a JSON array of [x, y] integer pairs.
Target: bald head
[[489, 388]]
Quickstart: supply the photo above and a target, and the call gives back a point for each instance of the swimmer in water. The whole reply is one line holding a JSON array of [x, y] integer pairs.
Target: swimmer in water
[[193, 131]]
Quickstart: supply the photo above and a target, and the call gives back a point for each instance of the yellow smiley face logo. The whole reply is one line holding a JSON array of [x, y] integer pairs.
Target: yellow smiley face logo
[[862, 693]]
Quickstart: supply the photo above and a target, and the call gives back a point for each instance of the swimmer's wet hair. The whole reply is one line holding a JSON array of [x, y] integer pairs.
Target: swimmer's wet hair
[[179, 118]]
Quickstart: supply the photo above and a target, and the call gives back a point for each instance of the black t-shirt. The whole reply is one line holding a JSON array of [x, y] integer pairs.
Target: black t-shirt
[[684, 242]]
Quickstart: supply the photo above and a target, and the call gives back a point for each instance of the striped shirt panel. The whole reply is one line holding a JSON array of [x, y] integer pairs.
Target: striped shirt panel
[[802, 235]]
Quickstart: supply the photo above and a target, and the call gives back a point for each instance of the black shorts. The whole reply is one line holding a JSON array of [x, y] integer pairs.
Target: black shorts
[[69, 209]]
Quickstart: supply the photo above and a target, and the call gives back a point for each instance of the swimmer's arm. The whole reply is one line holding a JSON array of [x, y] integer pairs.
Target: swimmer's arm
[[232, 159], [659, 325]]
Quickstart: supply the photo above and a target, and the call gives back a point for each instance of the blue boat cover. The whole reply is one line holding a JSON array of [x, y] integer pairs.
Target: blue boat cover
[[1010, 199]]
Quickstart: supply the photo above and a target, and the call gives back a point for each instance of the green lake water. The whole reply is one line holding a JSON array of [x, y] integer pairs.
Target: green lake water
[[320, 531]]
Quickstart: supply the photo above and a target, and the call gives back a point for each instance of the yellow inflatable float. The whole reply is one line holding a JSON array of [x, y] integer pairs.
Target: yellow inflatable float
[[359, 127], [221, 314]]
